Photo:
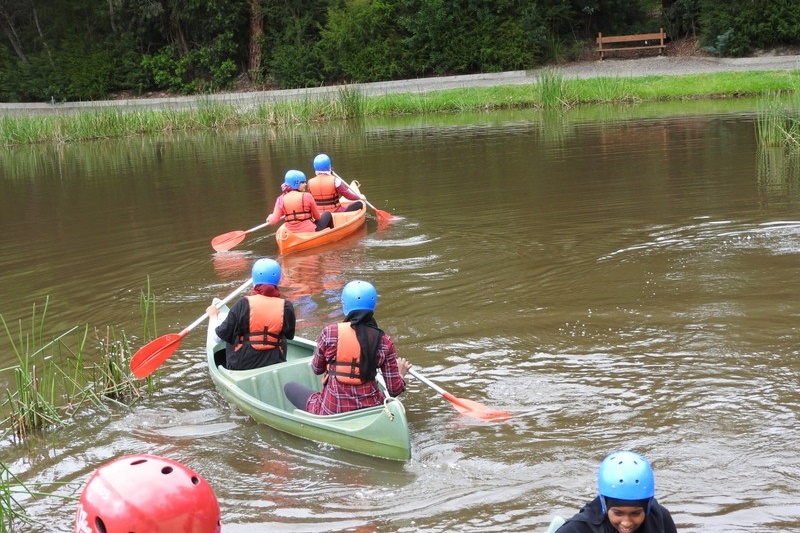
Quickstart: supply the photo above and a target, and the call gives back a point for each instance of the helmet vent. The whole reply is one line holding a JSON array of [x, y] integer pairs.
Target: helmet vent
[[195, 480], [99, 525], [166, 470]]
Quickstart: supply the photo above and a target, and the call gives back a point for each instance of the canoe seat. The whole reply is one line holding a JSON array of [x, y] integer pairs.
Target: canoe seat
[[267, 385]]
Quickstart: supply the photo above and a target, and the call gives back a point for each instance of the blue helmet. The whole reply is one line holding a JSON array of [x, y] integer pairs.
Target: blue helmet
[[625, 476], [322, 163], [294, 178], [358, 296], [266, 271]]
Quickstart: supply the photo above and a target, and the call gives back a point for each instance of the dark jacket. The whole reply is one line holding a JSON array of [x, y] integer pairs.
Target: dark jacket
[[591, 519], [237, 323]]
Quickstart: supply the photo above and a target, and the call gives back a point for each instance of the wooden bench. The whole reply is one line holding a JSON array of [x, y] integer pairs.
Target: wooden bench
[[641, 41]]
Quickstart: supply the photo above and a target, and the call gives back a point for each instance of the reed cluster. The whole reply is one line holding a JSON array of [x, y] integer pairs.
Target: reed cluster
[[53, 379], [10, 509], [778, 120], [548, 90]]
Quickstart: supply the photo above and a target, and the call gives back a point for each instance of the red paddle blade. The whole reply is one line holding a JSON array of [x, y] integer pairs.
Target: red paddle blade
[[383, 215], [150, 356], [475, 409], [226, 241]]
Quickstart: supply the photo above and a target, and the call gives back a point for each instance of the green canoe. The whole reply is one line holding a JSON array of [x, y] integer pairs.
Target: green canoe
[[377, 431]]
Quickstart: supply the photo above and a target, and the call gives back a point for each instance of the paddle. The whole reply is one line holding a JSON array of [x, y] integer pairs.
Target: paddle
[[226, 241], [150, 356], [467, 407], [382, 215]]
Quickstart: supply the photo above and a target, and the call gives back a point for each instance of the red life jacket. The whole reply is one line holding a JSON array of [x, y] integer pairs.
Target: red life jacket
[[266, 323], [323, 188], [295, 209], [345, 367]]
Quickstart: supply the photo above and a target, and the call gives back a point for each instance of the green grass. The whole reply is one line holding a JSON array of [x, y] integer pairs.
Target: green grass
[[549, 90]]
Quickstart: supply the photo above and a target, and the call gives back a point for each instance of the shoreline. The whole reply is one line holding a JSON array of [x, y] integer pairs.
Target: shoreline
[[610, 67]]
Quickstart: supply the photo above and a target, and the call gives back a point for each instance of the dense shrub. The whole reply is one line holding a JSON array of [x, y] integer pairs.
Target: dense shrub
[[463, 36], [85, 49], [294, 60], [681, 18], [361, 42], [736, 27]]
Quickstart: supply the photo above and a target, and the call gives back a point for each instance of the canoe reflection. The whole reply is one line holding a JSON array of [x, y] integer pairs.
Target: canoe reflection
[[310, 279], [233, 265]]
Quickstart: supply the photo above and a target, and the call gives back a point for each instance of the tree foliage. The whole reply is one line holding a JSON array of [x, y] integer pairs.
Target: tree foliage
[[54, 50]]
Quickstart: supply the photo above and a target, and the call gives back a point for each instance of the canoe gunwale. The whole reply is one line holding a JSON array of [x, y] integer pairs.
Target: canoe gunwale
[[289, 241]]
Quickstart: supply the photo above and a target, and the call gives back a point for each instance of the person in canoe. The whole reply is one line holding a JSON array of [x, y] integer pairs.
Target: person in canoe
[[257, 326], [298, 207], [147, 493], [328, 188], [349, 355], [626, 500]]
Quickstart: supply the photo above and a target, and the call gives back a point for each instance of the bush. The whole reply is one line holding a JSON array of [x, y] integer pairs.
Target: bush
[[361, 43], [737, 27]]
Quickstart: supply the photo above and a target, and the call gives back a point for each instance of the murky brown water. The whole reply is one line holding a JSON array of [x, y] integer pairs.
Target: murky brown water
[[618, 280]]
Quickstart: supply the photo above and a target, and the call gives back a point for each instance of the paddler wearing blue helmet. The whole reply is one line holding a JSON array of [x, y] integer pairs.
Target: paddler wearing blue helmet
[[297, 206], [350, 354], [257, 326], [327, 188], [625, 502]]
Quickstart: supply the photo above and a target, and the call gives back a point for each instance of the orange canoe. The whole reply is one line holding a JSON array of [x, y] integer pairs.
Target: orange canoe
[[344, 224]]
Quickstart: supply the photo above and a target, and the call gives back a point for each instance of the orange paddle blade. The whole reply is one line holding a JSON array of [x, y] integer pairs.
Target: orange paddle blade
[[150, 356], [475, 409], [383, 215], [226, 241]]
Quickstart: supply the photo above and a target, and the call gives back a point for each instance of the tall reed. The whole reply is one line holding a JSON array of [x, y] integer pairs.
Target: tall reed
[[551, 90], [773, 122], [10, 509], [32, 406]]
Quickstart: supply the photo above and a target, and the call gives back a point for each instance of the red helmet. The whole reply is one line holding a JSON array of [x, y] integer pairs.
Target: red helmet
[[147, 494]]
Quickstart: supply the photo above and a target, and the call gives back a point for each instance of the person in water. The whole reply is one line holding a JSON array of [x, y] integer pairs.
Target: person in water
[[625, 502], [327, 188], [298, 207], [349, 354], [147, 493], [257, 326]]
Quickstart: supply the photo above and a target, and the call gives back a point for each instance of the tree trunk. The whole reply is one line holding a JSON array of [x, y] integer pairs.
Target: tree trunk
[[111, 16], [256, 32], [41, 35], [11, 32]]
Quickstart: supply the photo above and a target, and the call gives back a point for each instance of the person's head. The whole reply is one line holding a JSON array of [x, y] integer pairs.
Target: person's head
[[626, 486], [266, 271], [294, 179], [147, 494], [322, 163], [358, 295]]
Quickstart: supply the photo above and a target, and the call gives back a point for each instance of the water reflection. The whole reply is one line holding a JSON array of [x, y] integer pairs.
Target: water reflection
[[313, 279], [614, 278], [232, 265]]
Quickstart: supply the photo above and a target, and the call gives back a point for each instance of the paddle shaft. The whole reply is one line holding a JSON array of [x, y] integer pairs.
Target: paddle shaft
[[467, 407], [264, 225], [150, 356], [226, 241], [352, 191], [219, 304], [382, 213], [426, 381]]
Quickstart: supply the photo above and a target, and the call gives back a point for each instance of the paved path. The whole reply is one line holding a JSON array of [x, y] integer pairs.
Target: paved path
[[658, 65]]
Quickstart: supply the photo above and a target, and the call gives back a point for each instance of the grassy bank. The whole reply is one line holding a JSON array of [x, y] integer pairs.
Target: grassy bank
[[548, 91]]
